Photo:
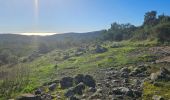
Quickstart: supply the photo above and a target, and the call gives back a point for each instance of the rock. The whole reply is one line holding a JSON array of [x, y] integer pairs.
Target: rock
[[125, 80], [38, 92], [96, 95], [78, 78], [154, 76], [28, 97], [100, 49], [91, 89], [116, 82], [156, 97], [120, 97], [69, 92], [79, 88], [125, 70], [99, 91], [162, 74], [66, 82], [129, 93], [89, 81], [74, 98], [137, 93], [46, 97], [124, 75], [137, 82], [120, 90], [52, 86]]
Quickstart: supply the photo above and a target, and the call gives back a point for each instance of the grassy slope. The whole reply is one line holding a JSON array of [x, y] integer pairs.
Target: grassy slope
[[44, 69]]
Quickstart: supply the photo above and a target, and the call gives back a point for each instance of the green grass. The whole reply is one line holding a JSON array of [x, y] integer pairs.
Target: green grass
[[43, 69], [163, 90]]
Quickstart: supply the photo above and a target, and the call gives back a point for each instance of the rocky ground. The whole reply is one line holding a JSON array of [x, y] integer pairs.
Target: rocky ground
[[125, 83], [111, 84]]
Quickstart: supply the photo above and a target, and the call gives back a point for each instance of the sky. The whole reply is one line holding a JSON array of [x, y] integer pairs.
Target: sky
[[61, 16]]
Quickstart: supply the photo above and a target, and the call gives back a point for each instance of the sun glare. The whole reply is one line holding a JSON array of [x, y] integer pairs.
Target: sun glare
[[41, 34]]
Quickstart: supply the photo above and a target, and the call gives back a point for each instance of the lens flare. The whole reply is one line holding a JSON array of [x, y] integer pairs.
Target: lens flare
[[36, 4]]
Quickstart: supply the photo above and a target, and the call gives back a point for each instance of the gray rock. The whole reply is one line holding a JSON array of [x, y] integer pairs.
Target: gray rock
[[89, 81], [125, 70], [28, 97], [78, 78], [120, 90], [156, 97], [66, 82], [91, 89], [52, 86], [137, 93], [69, 92], [79, 88], [38, 92], [124, 75], [100, 49]]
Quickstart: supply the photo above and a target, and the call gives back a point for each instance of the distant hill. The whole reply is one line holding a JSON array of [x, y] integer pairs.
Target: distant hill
[[22, 44]]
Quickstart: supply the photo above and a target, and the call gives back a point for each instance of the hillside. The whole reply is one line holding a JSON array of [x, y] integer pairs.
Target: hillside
[[124, 62]]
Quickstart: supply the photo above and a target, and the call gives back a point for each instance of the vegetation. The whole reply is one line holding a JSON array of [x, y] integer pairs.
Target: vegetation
[[27, 62]]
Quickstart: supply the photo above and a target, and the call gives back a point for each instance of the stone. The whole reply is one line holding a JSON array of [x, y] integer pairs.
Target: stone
[[137, 93], [66, 82], [79, 88], [156, 97], [78, 78], [120, 90], [124, 75], [125, 69], [91, 89], [89, 81], [28, 97], [69, 92], [100, 49], [38, 92], [52, 86], [74, 98]]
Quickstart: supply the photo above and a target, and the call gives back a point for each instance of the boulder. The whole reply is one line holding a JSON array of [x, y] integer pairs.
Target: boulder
[[89, 81], [28, 97], [69, 92], [52, 86], [78, 78], [79, 88], [100, 49], [66, 82]]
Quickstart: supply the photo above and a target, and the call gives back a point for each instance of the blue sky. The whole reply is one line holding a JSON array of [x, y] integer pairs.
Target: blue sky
[[73, 15]]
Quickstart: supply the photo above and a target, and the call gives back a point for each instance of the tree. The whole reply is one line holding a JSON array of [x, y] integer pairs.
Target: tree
[[150, 18], [163, 33]]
